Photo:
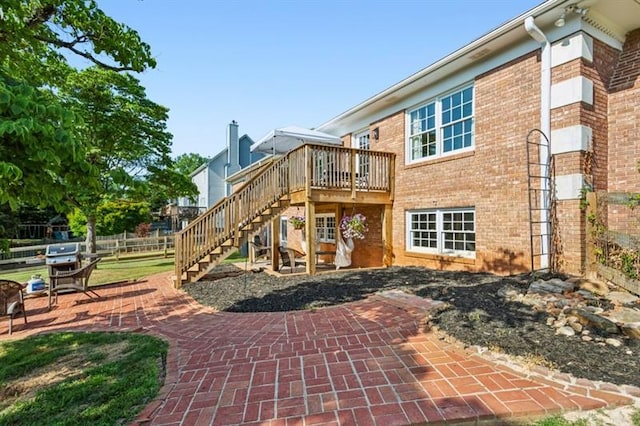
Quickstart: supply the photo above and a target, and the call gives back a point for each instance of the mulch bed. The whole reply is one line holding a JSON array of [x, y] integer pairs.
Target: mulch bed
[[477, 314]]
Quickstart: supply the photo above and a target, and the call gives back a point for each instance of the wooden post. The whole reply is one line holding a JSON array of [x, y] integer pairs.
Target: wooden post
[[392, 177], [353, 173], [308, 171], [117, 249], [310, 229], [165, 246], [387, 235], [590, 243], [275, 243]]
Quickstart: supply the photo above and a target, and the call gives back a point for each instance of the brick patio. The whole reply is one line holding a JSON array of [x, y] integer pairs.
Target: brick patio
[[368, 363]]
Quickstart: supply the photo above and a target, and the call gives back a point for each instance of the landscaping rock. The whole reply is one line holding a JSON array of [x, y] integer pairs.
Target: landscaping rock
[[576, 326], [560, 322], [631, 329], [613, 342], [586, 294], [565, 331], [587, 338], [554, 285], [624, 315], [622, 297], [597, 287], [510, 292], [588, 318]]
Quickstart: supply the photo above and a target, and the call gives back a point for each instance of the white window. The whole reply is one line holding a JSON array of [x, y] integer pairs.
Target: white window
[[284, 222], [361, 141], [451, 232], [441, 126], [326, 228]]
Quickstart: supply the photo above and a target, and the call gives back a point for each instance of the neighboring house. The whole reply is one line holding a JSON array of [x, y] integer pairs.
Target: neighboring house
[[440, 162], [210, 178]]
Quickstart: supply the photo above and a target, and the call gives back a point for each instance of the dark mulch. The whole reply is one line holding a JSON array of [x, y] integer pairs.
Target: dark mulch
[[478, 315]]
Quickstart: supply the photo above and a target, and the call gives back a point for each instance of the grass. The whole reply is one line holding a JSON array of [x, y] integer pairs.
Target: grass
[[558, 420], [79, 378], [109, 270], [129, 267]]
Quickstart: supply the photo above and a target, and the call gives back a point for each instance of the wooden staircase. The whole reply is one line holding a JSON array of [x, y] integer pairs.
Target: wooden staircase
[[308, 174], [226, 226]]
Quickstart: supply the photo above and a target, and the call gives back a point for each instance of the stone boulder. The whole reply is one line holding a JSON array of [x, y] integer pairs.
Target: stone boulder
[[553, 286], [631, 329], [596, 321]]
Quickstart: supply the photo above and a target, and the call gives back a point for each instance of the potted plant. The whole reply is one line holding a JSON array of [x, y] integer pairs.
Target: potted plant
[[297, 221], [354, 226]]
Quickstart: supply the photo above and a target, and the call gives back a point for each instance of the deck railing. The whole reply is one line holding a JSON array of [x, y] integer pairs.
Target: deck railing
[[308, 167]]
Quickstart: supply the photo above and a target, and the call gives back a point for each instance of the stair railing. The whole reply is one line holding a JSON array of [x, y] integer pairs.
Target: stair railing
[[302, 168]]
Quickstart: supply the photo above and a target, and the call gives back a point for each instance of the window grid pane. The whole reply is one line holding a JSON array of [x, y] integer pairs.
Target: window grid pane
[[423, 131], [452, 131], [326, 229], [423, 230], [463, 237]]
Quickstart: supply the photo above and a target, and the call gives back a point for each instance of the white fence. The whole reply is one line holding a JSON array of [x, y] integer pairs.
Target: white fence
[[107, 246]]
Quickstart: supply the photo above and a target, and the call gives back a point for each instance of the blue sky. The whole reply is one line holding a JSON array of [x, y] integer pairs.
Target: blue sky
[[270, 64]]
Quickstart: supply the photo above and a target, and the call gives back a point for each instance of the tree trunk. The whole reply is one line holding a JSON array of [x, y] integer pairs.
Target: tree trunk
[[91, 234]]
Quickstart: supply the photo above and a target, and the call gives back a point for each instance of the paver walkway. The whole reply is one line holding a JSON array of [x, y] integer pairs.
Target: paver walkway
[[367, 363]]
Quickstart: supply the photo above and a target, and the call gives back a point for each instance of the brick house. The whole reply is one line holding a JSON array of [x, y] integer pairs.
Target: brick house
[[458, 184]]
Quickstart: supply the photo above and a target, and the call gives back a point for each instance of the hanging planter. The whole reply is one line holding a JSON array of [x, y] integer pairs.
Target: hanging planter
[[354, 226], [297, 222]]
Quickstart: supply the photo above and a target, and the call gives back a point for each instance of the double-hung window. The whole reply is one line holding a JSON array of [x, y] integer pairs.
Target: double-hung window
[[326, 228], [451, 232], [442, 126], [361, 141], [284, 223]]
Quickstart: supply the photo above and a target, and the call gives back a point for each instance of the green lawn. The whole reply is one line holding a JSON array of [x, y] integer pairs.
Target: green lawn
[[109, 270], [129, 267], [79, 378]]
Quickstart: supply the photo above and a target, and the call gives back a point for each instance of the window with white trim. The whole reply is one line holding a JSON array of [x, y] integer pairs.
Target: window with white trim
[[284, 223], [450, 231], [361, 141], [326, 228], [441, 126]]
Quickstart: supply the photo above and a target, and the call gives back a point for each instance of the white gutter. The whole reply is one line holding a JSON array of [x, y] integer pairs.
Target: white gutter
[[545, 127]]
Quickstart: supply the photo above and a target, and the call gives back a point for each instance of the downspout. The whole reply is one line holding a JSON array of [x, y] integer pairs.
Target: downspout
[[545, 126]]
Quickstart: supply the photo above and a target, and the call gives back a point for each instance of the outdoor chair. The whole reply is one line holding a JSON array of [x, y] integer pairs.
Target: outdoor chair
[[259, 250], [288, 257], [11, 302], [76, 279]]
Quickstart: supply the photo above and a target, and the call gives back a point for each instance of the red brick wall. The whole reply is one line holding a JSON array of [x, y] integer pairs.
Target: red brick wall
[[570, 236], [368, 252], [624, 119], [492, 178], [624, 134]]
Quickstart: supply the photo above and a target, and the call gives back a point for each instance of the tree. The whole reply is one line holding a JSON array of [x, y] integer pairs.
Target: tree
[[113, 217], [126, 139], [35, 33], [40, 152], [188, 163]]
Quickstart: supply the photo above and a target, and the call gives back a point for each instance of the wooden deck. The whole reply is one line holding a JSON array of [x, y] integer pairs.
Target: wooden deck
[[308, 176]]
